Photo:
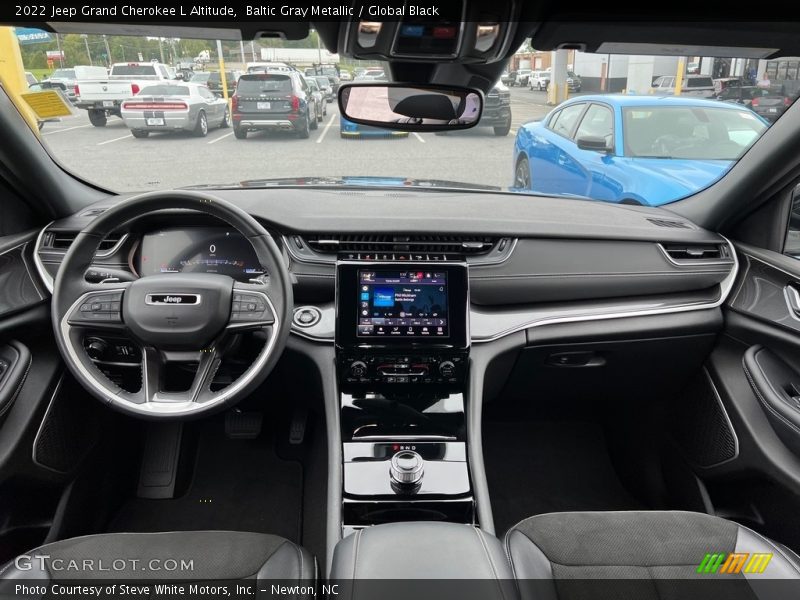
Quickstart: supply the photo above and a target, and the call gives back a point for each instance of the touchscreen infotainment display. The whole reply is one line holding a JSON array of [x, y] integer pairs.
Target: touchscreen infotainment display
[[402, 304]]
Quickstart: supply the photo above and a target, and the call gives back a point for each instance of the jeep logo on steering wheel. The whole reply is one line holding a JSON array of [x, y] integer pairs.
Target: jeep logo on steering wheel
[[173, 299]]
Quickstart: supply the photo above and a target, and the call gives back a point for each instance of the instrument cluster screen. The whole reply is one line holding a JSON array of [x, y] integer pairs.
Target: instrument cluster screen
[[402, 304], [198, 250]]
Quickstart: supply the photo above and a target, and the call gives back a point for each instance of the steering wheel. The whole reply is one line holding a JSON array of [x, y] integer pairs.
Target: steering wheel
[[173, 317]]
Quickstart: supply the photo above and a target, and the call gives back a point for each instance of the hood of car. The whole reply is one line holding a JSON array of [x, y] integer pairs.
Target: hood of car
[[688, 174]]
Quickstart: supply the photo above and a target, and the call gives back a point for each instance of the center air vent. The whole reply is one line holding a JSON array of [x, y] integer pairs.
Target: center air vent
[[466, 245], [690, 253]]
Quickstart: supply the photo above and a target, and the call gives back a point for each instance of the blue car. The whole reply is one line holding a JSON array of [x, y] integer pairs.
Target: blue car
[[642, 150], [348, 129]]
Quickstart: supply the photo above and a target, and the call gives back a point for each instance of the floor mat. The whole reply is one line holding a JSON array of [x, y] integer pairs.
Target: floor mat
[[238, 485], [540, 467]]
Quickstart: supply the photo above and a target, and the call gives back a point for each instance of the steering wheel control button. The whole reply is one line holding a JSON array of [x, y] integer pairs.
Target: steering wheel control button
[[99, 306], [307, 316], [250, 308], [406, 469]]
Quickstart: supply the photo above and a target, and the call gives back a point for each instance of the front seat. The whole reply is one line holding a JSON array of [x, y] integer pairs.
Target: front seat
[[565, 554], [185, 555]]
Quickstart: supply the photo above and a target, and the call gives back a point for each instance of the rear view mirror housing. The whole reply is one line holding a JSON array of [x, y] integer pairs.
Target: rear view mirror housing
[[412, 107]]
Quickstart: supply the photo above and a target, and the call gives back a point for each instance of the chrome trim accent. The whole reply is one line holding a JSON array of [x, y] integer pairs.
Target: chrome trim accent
[[476, 261], [148, 299], [47, 280], [174, 409], [725, 288], [700, 262], [390, 438]]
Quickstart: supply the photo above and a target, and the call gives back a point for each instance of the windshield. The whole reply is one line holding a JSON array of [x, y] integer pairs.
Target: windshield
[[697, 133], [63, 74], [618, 128]]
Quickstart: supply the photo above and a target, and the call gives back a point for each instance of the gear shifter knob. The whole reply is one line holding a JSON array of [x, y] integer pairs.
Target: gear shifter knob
[[406, 468]]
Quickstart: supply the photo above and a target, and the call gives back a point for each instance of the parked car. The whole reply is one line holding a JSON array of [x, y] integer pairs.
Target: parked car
[[272, 101], [745, 94], [632, 149], [316, 98], [512, 78], [539, 80], [348, 129], [213, 81], [723, 83], [325, 87], [263, 67], [700, 86], [372, 75], [497, 110], [574, 82], [63, 79], [505, 78], [773, 103], [523, 75], [345, 75], [103, 97], [175, 106]]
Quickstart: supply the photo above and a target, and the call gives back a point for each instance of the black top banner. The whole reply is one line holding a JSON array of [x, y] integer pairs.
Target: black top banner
[[232, 11]]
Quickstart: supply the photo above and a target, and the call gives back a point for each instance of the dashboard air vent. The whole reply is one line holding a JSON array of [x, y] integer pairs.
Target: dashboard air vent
[[697, 252], [62, 240], [670, 223], [468, 245]]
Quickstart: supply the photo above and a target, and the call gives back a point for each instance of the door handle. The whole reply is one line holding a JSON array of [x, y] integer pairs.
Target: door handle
[[792, 299]]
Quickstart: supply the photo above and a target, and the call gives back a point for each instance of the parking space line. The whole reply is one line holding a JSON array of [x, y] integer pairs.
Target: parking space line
[[328, 125], [115, 140], [65, 129], [418, 136], [222, 137]]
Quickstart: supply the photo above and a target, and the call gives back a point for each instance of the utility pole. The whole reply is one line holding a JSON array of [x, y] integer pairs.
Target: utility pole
[[108, 50], [88, 53], [253, 50], [161, 50], [60, 54]]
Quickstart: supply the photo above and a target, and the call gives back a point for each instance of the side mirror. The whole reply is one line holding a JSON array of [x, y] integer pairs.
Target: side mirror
[[595, 144], [654, 84], [411, 108]]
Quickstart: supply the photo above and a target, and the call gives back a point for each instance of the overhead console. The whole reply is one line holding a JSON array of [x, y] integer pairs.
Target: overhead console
[[457, 31]]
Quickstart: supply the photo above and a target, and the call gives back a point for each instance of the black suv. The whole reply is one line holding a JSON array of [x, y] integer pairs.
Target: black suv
[[272, 101], [497, 110]]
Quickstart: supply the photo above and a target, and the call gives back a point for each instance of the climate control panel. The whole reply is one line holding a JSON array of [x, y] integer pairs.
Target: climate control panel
[[369, 370]]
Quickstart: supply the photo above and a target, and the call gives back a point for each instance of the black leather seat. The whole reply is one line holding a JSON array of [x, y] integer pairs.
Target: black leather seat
[[186, 555], [572, 551]]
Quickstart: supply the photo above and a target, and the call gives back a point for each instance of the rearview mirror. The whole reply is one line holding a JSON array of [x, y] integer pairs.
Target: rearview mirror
[[596, 144], [411, 107]]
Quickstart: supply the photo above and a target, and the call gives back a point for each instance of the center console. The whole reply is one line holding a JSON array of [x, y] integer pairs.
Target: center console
[[402, 354]]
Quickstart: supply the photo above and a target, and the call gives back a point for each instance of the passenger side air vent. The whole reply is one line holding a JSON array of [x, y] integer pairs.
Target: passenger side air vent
[[670, 223], [416, 244], [692, 253]]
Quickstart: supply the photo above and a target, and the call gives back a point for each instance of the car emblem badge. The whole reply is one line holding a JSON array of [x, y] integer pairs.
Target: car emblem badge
[[105, 88], [172, 299]]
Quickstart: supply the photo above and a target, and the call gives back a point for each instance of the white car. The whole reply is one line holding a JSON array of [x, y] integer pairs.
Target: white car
[[174, 106], [539, 80]]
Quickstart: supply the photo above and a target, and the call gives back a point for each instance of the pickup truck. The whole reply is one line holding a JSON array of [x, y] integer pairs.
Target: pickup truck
[[103, 97]]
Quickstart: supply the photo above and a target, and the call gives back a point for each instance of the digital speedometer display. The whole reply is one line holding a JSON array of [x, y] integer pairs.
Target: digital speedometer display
[[198, 250]]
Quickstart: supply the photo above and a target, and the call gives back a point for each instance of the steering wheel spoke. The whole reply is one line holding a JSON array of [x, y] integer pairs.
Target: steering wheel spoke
[[100, 307], [154, 367], [251, 307]]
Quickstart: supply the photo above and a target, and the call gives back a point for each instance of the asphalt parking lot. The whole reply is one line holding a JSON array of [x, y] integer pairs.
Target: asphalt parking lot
[[111, 157]]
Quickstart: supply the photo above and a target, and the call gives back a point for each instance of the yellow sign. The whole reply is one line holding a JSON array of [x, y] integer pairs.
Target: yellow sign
[[47, 104]]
